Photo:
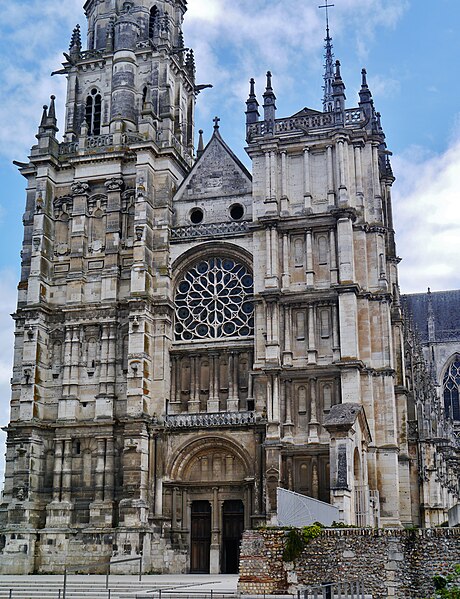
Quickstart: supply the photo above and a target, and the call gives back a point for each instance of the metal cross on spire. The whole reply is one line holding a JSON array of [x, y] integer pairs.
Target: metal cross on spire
[[327, 6]]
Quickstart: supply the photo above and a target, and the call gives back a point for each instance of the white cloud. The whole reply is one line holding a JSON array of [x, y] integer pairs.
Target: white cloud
[[427, 218], [26, 84]]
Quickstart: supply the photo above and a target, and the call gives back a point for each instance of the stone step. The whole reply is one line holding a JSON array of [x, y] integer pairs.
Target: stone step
[[121, 587]]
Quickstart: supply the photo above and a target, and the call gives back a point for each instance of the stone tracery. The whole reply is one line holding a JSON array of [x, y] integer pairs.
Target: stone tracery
[[214, 300]]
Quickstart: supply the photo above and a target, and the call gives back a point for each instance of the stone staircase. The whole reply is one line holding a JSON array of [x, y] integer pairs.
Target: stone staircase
[[120, 587]]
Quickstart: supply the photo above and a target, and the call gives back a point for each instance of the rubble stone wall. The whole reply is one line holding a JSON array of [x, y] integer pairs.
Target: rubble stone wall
[[392, 563]]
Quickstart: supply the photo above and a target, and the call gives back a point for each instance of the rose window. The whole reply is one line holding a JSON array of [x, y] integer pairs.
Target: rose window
[[214, 300]]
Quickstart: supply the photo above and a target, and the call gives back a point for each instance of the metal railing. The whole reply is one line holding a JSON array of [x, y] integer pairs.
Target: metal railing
[[176, 593], [105, 563], [335, 590]]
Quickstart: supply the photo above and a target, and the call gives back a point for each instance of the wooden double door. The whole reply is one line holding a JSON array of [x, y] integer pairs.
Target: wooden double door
[[231, 532]]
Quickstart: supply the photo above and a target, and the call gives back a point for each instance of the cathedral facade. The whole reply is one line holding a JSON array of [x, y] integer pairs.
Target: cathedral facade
[[191, 336]]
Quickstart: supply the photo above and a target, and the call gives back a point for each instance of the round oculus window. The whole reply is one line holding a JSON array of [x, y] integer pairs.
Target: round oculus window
[[196, 216], [237, 211]]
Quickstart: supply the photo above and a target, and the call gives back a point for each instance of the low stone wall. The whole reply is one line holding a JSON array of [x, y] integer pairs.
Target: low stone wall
[[392, 563]]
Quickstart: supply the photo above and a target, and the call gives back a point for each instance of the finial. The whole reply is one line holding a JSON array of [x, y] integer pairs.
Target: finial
[[269, 106], [190, 63], [338, 96], [200, 149], [75, 41], [216, 121], [337, 70], [44, 116], [52, 110], [252, 106], [269, 80], [365, 96]]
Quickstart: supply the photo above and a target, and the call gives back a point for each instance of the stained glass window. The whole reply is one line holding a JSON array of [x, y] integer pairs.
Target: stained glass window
[[214, 300], [451, 386]]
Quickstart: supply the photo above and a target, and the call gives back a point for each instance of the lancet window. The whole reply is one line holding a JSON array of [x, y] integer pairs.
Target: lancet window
[[153, 20], [451, 386], [214, 300], [94, 112]]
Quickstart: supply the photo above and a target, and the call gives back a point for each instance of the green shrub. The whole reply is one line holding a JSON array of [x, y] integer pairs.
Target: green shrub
[[297, 539]]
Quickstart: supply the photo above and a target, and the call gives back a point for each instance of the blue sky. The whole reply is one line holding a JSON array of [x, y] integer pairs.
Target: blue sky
[[409, 48]]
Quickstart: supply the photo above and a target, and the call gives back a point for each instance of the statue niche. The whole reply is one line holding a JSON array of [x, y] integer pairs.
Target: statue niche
[[97, 224]]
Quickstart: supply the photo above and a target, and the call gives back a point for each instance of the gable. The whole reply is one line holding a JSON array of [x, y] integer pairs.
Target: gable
[[217, 174]]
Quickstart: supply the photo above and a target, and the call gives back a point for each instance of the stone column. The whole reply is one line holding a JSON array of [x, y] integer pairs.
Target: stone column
[[100, 470], [313, 425], [288, 423], [307, 180], [285, 278], [342, 148], [173, 407], [233, 400], [268, 253], [330, 177], [67, 471], [333, 254], [359, 177], [59, 511], [287, 353], [335, 333], [268, 188], [377, 213], [284, 185], [109, 483], [194, 403], [214, 554], [213, 401], [312, 351], [310, 273], [57, 476]]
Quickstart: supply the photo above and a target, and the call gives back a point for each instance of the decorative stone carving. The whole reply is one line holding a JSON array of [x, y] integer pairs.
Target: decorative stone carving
[[139, 232], [80, 188], [210, 420], [115, 184]]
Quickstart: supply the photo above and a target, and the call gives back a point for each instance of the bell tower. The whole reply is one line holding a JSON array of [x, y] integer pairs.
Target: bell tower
[[135, 76], [93, 319]]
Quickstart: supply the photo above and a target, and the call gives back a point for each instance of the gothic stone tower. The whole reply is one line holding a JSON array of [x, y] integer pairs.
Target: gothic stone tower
[[190, 338]]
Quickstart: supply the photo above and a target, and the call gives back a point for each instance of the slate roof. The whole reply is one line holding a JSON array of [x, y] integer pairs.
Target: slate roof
[[343, 414], [445, 307]]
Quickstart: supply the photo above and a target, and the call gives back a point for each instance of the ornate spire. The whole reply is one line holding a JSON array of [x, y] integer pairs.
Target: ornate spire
[[75, 42], [269, 106], [328, 103], [338, 95], [252, 105], [190, 63]]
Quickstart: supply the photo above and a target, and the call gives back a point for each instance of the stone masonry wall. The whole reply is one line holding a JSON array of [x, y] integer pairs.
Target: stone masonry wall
[[392, 563]]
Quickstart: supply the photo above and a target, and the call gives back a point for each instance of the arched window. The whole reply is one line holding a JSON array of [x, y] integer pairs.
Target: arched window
[[153, 21], [214, 300], [94, 112], [451, 387]]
